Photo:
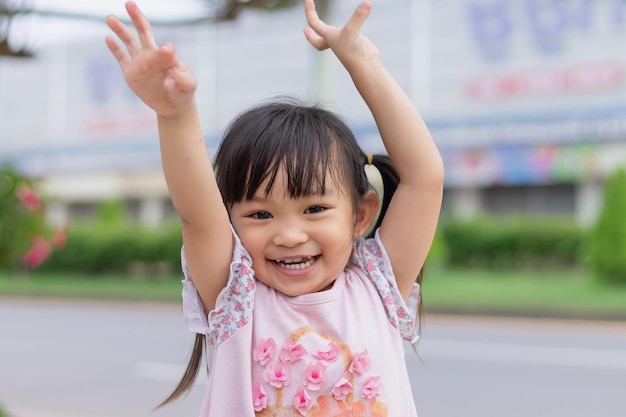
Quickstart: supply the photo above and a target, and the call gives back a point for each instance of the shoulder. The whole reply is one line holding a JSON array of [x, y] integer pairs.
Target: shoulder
[[233, 308], [370, 258]]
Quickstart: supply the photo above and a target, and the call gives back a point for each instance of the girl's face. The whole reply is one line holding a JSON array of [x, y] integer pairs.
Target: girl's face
[[298, 245]]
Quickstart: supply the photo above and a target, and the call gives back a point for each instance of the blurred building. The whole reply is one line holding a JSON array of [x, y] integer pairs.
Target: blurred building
[[525, 98]]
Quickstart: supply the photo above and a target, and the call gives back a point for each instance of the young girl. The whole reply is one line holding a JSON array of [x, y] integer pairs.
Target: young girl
[[299, 290]]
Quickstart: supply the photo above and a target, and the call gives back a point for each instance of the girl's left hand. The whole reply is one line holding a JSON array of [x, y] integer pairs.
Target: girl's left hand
[[348, 43]]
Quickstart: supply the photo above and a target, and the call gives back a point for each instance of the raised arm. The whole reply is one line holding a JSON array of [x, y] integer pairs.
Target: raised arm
[[163, 82], [409, 225]]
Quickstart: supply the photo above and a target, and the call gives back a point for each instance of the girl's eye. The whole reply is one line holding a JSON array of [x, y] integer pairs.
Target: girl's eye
[[314, 209], [261, 215]]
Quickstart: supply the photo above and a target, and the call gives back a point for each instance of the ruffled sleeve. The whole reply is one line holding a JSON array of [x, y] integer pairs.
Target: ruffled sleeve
[[370, 256], [234, 304]]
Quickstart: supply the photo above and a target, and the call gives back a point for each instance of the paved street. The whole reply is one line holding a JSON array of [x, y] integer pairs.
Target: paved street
[[101, 359]]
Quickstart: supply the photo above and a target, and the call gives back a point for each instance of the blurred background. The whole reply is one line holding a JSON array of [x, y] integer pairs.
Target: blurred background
[[526, 100]]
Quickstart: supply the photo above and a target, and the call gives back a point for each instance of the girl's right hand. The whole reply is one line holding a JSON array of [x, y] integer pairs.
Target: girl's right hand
[[155, 74]]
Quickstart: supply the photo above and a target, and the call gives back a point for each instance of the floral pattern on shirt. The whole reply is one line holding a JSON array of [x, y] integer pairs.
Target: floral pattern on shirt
[[233, 308], [310, 399]]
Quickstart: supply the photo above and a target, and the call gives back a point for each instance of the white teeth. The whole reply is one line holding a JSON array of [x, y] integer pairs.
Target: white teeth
[[291, 261], [296, 263]]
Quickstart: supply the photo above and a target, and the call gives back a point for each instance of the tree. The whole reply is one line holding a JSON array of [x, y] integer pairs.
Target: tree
[[607, 244], [229, 9], [217, 10], [8, 10]]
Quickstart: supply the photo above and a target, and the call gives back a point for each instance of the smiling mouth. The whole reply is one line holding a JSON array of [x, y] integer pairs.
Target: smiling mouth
[[296, 263]]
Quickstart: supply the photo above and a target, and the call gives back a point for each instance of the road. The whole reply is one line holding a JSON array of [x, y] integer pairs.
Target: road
[[107, 359]]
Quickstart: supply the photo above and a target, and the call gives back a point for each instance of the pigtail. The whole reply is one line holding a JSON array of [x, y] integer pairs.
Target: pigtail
[[191, 373], [391, 179]]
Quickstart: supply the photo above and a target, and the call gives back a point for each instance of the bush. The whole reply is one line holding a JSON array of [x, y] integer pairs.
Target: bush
[[607, 240], [112, 243], [26, 240], [512, 242], [122, 248]]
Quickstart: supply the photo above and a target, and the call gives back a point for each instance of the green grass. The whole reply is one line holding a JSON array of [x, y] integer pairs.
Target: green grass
[[91, 286], [525, 293], [543, 293]]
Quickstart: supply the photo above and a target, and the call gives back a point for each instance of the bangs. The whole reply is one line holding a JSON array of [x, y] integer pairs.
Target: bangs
[[301, 141]]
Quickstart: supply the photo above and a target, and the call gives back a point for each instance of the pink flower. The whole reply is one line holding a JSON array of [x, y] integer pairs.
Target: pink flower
[[343, 387], [314, 376], [38, 252], [264, 351], [302, 402], [370, 266], [259, 397], [360, 363], [277, 374], [328, 355], [292, 352], [372, 388], [28, 198]]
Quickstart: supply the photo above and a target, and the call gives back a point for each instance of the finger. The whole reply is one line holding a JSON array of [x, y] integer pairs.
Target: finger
[[125, 35], [179, 81], [359, 16], [313, 18], [314, 39], [167, 56], [118, 52], [178, 77], [142, 25]]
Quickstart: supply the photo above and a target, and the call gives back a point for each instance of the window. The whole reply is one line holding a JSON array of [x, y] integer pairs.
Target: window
[[558, 199]]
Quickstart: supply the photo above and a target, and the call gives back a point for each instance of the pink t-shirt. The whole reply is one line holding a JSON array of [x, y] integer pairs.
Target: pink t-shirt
[[320, 354]]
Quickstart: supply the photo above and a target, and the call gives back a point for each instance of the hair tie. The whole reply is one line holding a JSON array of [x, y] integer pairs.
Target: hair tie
[[375, 179]]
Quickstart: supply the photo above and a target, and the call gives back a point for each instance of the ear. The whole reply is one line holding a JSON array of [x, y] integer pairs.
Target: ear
[[368, 206]]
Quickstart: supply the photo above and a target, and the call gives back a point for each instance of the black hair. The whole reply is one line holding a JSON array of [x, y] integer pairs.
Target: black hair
[[310, 144]]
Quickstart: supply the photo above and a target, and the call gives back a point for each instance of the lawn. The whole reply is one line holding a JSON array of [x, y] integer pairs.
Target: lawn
[[526, 293], [91, 286], [545, 293]]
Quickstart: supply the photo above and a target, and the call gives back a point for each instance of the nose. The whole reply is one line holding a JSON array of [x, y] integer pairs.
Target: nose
[[290, 233]]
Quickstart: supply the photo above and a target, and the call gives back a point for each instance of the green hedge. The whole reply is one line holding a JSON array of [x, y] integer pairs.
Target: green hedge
[[121, 248], [512, 242]]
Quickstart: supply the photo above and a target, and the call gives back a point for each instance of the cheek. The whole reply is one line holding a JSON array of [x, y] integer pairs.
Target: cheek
[[250, 239]]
